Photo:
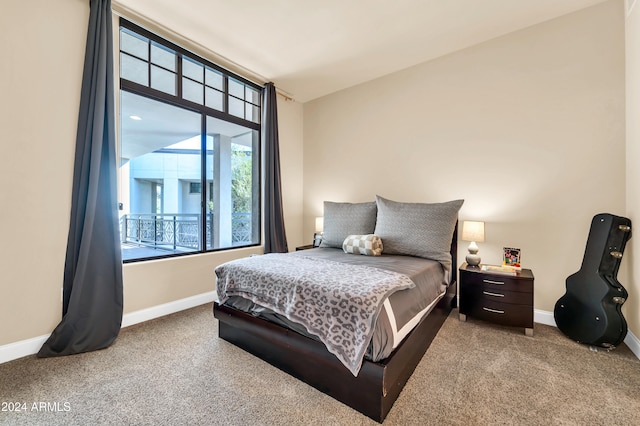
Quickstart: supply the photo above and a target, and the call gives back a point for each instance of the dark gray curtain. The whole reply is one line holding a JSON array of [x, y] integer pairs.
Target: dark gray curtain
[[275, 238], [92, 289]]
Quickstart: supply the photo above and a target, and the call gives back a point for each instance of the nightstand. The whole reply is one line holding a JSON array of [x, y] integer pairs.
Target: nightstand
[[500, 298], [310, 246]]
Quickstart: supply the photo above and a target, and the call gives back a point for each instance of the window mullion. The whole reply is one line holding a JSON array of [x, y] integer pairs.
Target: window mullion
[[179, 77], [225, 87], [203, 184]]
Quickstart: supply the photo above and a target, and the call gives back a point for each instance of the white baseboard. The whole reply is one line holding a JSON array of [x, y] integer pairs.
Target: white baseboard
[[546, 317], [22, 348], [31, 346], [167, 309], [633, 343]]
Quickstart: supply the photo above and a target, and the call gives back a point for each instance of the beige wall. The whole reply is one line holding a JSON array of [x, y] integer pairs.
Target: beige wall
[[632, 255], [291, 160], [528, 128], [40, 79]]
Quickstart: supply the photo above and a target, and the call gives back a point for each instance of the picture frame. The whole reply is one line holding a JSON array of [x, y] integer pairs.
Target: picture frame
[[511, 257]]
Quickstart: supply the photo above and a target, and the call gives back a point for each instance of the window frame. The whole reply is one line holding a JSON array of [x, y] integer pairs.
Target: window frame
[[204, 111]]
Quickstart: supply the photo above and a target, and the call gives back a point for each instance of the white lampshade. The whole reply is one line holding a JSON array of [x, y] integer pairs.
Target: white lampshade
[[319, 224], [473, 231]]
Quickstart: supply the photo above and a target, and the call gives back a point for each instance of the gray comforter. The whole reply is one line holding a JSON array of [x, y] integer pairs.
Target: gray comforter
[[338, 303]]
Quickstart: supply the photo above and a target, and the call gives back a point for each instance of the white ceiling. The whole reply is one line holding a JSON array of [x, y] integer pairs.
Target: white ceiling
[[310, 48], [160, 125]]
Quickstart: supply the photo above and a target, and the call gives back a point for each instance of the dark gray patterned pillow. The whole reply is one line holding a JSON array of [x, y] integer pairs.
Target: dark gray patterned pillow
[[417, 229], [344, 219]]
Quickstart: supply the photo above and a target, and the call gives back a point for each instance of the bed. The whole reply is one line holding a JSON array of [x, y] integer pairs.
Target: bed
[[417, 233]]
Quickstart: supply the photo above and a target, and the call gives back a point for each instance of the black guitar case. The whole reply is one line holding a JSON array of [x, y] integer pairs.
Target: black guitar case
[[590, 310]]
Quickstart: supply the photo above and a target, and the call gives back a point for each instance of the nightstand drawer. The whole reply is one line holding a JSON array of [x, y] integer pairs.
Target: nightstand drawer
[[498, 282], [498, 295], [503, 313]]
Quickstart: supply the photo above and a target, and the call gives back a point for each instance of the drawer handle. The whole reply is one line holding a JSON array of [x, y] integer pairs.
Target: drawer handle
[[488, 293], [495, 311], [493, 282]]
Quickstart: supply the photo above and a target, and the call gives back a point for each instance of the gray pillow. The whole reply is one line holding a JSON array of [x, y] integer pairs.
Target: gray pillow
[[344, 219], [417, 229]]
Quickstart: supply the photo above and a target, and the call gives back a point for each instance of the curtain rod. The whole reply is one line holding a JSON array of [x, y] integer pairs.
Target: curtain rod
[[197, 48]]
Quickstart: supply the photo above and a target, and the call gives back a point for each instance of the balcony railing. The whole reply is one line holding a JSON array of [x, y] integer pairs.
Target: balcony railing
[[180, 231]]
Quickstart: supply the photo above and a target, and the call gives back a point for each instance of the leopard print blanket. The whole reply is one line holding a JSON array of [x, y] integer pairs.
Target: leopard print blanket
[[339, 303]]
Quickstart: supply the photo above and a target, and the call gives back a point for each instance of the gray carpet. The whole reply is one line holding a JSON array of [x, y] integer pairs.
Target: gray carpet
[[175, 371]]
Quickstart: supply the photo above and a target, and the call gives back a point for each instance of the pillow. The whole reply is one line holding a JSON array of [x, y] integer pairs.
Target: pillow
[[369, 245], [344, 219], [417, 229]]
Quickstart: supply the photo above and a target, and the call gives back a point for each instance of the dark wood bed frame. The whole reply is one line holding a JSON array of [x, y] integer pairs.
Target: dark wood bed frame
[[378, 384]]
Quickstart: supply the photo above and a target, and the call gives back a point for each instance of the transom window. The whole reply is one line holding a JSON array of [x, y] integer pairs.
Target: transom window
[[189, 151]]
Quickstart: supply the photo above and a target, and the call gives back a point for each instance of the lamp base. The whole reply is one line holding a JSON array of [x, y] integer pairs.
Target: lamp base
[[472, 259]]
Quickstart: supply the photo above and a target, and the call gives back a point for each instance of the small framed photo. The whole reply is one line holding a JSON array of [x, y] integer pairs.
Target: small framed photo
[[511, 257]]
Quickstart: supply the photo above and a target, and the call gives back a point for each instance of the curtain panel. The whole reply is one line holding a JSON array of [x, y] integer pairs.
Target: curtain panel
[[92, 282], [275, 238]]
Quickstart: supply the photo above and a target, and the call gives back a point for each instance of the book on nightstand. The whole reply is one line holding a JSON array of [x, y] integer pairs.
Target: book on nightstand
[[499, 269]]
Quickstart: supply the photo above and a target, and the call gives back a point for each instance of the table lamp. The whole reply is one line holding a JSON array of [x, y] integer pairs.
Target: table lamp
[[473, 231], [317, 236]]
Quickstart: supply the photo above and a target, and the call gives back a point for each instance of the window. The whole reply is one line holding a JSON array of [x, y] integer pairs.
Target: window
[[189, 151], [195, 188]]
